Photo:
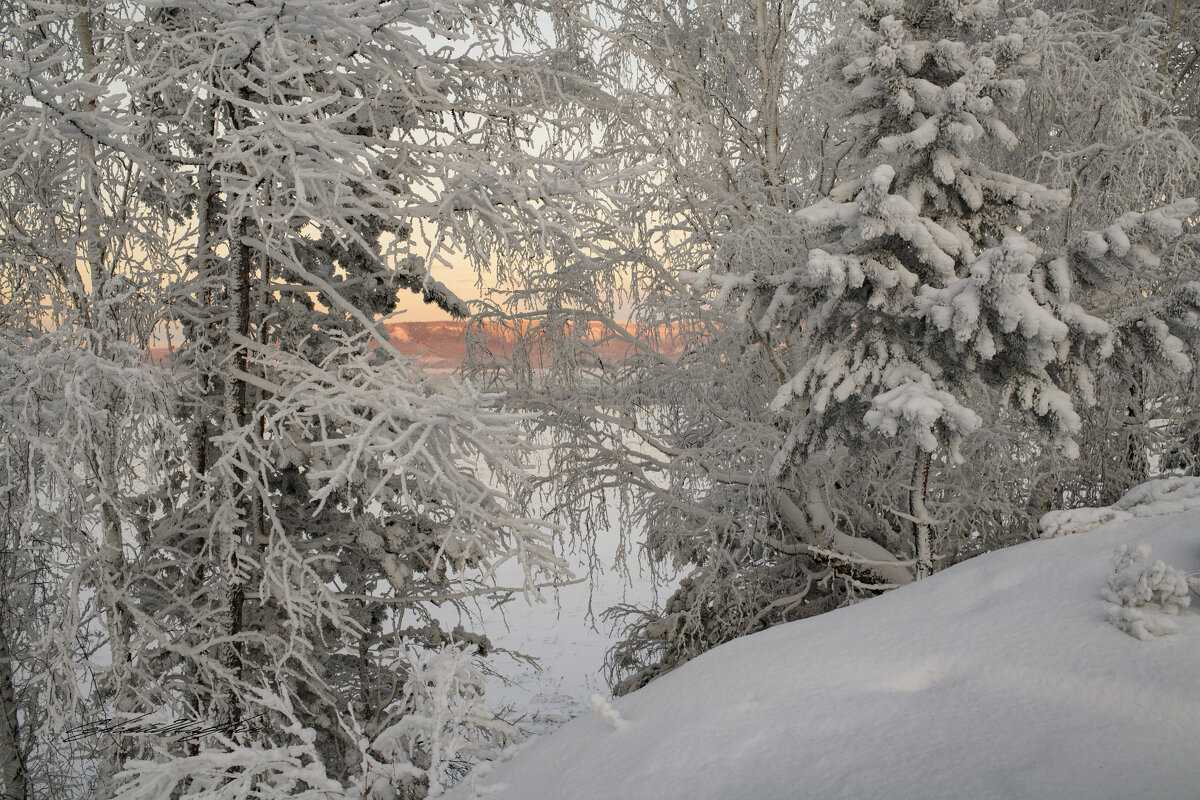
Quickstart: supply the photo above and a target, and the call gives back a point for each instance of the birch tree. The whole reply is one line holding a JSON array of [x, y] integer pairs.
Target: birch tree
[[276, 515], [83, 412]]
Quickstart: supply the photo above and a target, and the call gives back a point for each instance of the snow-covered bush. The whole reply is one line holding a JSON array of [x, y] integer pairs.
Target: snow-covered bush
[[1141, 596], [446, 727], [1150, 499], [605, 709], [442, 728]]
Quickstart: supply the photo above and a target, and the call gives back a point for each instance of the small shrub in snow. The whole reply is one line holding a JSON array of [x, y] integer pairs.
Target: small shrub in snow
[[1142, 596], [441, 727], [606, 711], [445, 728]]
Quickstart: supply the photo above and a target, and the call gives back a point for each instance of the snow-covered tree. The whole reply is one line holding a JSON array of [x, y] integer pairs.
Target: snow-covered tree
[[920, 280], [271, 520], [880, 260], [1108, 114], [704, 114], [85, 416]]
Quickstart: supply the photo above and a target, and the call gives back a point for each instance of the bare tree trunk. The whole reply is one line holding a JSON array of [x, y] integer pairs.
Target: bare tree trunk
[[922, 539], [1136, 459], [235, 403], [202, 265]]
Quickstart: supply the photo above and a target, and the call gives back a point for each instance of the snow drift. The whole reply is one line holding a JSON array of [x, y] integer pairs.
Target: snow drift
[[998, 678]]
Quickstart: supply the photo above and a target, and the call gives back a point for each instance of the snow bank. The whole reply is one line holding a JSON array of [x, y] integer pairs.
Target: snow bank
[[1151, 499], [998, 678]]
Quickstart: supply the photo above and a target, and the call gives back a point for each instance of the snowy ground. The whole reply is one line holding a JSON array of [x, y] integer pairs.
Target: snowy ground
[[998, 678], [568, 644], [565, 634]]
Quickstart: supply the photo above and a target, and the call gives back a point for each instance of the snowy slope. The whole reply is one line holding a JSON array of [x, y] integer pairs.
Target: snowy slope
[[998, 678]]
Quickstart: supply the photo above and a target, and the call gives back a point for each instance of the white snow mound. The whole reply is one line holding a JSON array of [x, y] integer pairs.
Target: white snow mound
[[1151, 499], [998, 678]]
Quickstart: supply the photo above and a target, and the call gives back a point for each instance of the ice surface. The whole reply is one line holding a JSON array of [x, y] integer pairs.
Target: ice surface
[[565, 634]]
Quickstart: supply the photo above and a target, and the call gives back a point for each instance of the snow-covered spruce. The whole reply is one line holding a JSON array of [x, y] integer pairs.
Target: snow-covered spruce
[[921, 287]]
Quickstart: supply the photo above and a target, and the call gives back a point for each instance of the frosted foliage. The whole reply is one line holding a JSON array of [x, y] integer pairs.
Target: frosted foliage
[[811, 205], [921, 412], [1126, 257], [919, 283], [995, 302], [1142, 595], [406, 443], [446, 727], [81, 431], [290, 499], [269, 773], [234, 769], [1122, 80], [1003, 311]]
